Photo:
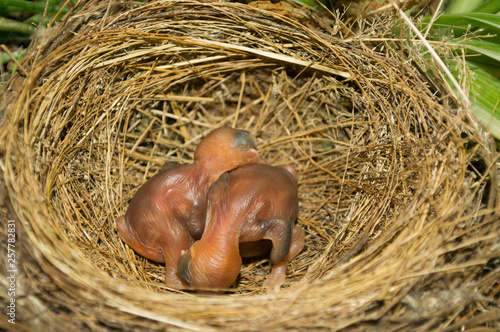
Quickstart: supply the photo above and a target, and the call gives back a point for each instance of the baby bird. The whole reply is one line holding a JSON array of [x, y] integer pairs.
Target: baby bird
[[167, 214], [249, 211]]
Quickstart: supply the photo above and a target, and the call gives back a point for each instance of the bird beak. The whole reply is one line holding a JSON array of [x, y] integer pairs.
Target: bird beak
[[244, 140], [183, 267]]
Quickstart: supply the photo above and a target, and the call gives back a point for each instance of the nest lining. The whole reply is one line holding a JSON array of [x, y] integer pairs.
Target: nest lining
[[398, 214]]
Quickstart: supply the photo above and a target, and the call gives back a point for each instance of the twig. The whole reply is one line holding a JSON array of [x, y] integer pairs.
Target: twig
[[433, 19]]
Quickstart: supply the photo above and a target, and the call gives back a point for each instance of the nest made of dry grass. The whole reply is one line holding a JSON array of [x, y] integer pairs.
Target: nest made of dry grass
[[398, 187]]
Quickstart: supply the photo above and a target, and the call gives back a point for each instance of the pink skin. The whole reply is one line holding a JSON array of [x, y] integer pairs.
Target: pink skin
[[167, 214], [250, 210]]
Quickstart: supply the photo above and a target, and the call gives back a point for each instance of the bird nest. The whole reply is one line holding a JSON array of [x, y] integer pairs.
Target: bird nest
[[397, 188]]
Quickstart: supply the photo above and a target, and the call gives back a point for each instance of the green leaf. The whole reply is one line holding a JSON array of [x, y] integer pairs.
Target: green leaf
[[478, 31], [484, 95], [462, 23], [455, 26], [483, 47], [30, 6], [463, 6], [489, 6], [4, 58], [14, 26], [35, 19], [315, 5]]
